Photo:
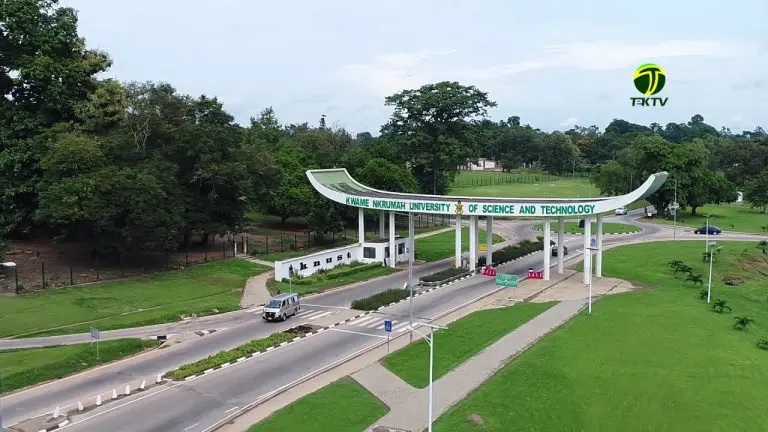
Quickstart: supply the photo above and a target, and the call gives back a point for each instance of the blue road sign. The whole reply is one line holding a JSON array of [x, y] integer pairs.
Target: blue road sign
[[388, 325]]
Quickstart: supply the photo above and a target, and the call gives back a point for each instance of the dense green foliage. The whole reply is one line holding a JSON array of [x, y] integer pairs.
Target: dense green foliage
[[512, 252], [444, 275], [380, 299], [218, 359], [141, 167]]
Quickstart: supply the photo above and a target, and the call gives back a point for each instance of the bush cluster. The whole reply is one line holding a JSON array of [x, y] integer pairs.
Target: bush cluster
[[222, 357], [380, 299], [512, 252], [444, 274], [334, 273]]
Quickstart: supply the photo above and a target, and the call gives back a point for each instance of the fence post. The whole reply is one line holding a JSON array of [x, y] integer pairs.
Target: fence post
[[282, 249], [224, 248], [71, 277], [42, 270], [98, 264], [245, 245], [309, 239], [186, 255], [167, 259], [122, 273], [266, 244], [295, 241], [205, 253]]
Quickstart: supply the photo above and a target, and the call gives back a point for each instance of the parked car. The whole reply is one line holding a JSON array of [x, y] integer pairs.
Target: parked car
[[620, 211], [712, 230], [281, 306], [554, 250]]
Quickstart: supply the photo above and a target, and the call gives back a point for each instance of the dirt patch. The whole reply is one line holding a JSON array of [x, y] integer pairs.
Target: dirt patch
[[476, 419], [302, 329]]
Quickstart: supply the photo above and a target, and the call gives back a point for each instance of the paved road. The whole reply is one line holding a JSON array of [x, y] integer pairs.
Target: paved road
[[261, 375]]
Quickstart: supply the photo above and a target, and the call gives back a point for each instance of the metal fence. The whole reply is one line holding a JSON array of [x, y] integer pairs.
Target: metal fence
[[473, 179]]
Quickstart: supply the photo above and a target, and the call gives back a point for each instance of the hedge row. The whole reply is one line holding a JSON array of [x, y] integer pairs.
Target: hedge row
[[513, 252], [222, 357], [334, 273], [444, 274], [380, 299]]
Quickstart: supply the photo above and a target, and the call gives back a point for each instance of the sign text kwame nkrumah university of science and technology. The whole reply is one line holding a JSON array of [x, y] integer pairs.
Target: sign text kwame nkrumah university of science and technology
[[512, 209]]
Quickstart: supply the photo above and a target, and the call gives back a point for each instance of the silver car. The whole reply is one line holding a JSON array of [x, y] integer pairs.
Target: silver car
[[281, 306]]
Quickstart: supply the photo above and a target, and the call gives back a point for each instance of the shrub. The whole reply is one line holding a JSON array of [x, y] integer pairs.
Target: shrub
[[695, 278], [444, 274], [742, 322], [222, 357], [732, 280], [380, 299], [512, 252], [334, 273], [763, 343], [703, 294], [720, 306]]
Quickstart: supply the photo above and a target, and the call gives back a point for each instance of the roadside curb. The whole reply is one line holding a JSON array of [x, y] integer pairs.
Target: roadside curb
[[56, 426]]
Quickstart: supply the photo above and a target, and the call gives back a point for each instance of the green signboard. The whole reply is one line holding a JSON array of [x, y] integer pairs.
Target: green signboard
[[506, 280], [457, 207]]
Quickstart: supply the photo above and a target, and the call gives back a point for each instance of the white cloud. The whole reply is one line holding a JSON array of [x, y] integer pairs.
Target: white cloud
[[603, 55], [392, 72], [569, 122]]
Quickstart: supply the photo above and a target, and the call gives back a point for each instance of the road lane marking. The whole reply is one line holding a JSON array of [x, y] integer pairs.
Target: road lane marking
[[190, 427], [324, 306], [320, 316], [231, 409], [358, 333]]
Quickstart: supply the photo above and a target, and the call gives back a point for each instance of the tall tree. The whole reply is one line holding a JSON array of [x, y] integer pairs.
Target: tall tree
[[756, 192], [435, 128]]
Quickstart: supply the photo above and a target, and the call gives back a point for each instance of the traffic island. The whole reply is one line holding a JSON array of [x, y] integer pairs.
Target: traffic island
[[40, 424]]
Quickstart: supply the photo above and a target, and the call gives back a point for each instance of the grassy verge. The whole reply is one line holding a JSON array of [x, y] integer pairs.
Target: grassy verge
[[608, 227], [25, 367], [163, 297], [322, 411], [380, 299], [443, 245], [222, 357], [461, 341], [333, 278], [565, 188], [728, 217], [656, 359]]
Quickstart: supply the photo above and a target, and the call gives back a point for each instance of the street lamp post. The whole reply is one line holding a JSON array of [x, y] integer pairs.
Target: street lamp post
[[706, 234], [589, 304], [711, 256], [674, 215], [431, 342], [8, 264], [411, 243]]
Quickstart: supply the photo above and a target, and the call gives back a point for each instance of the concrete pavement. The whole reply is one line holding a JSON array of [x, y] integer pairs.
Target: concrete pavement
[[408, 405]]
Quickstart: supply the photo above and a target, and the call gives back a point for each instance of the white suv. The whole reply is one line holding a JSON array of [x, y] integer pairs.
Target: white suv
[[621, 211]]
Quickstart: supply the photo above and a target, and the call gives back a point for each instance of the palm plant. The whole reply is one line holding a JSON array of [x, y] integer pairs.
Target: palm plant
[[763, 343], [742, 322], [720, 306], [703, 294], [686, 269], [695, 278]]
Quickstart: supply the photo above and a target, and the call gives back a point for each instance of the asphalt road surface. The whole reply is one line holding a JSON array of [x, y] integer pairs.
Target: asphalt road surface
[[196, 404]]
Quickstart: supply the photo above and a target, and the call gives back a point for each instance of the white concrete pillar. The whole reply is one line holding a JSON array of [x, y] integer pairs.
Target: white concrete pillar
[[361, 225], [382, 225], [473, 243], [587, 252], [458, 241], [560, 244], [599, 246], [411, 239], [547, 246], [392, 248], [488, 240]]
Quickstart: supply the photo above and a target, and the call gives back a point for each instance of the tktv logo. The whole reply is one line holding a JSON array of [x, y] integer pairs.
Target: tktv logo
[[649, 80]]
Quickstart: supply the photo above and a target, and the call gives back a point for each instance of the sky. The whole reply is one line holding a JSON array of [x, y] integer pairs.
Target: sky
[[555, 63]]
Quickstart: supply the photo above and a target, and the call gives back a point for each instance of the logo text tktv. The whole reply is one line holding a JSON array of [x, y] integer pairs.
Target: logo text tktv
[[649, 80]]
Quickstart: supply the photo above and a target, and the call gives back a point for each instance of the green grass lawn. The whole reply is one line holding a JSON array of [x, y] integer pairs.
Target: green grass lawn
[[608, 227], [656, 359], [25, 367], [560, 188], [329, 280], [462, 340], [443, 245], [728, 217], [342, 406], [163, 297]]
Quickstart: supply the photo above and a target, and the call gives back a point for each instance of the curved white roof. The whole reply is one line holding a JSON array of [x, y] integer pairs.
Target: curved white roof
[[339, 186]]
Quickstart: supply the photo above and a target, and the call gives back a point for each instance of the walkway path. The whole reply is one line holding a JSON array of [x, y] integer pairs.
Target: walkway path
[[408, 405]]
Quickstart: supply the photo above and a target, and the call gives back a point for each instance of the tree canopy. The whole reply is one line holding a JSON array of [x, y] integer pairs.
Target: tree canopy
[[140, 166]]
